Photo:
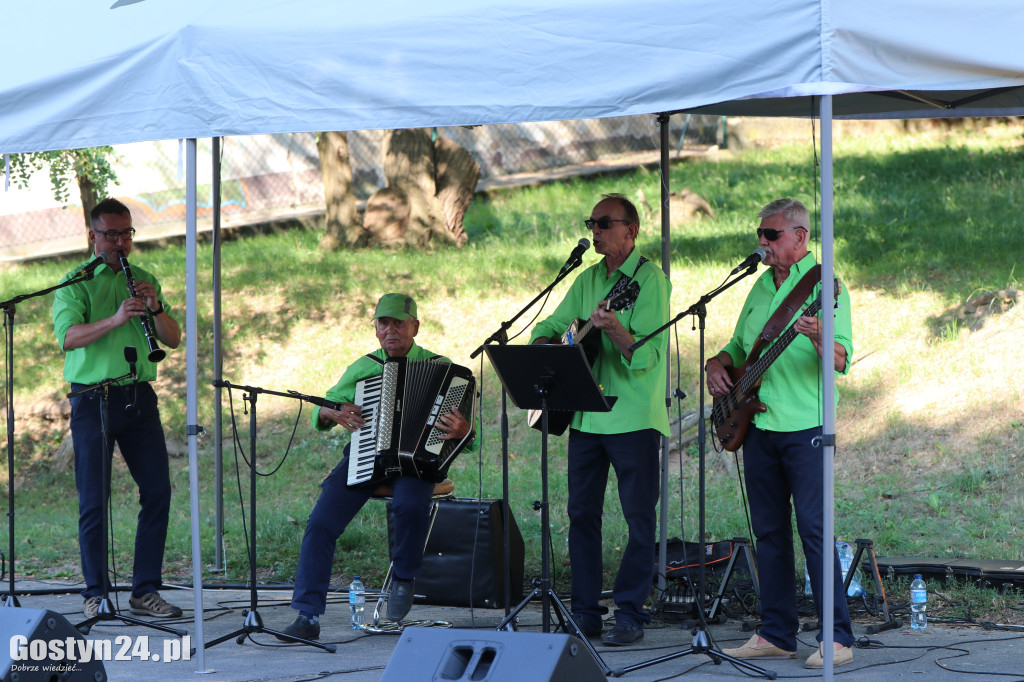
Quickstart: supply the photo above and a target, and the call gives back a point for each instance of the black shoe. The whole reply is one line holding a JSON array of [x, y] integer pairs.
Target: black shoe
[[400, 599], [588, 625], [623, 634], [301, 628]]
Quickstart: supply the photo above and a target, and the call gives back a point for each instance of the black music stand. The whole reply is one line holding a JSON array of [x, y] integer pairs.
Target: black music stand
[[548, 377]]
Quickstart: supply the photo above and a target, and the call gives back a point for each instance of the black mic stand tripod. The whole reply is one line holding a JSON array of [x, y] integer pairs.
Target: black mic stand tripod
[[702, 642], [106, 610], [253, 623], [500, 337], [549, 377], [9, 309]]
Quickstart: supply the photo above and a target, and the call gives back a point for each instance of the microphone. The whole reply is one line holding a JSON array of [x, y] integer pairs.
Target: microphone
[[132, 356], [575, 258], [93, 264], [752, 259]]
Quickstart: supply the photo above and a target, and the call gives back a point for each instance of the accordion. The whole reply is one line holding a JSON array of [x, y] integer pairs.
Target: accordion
[[401, 406]]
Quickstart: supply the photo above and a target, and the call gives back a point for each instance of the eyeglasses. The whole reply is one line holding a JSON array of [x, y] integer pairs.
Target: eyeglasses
[[604, 223], [772, 234], [114, 235]]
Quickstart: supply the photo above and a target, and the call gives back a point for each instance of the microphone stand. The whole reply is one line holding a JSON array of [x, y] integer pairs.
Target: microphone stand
[[106, 611], [253, 623], [702, 642], [500, 337], [9, 309]]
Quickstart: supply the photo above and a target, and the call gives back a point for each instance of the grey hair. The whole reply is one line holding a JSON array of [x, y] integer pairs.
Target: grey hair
[[792, 210]]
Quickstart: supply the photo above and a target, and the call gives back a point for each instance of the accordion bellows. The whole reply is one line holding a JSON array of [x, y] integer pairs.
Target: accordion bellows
[[401, 406]]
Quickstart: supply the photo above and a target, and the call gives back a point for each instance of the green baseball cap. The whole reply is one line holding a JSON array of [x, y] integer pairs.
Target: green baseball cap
[[398, 306]]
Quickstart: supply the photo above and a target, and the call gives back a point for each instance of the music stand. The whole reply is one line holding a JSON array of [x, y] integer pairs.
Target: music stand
[[548, 377]]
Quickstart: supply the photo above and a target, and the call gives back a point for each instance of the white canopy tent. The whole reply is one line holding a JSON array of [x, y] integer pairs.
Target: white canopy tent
[[81, 73]]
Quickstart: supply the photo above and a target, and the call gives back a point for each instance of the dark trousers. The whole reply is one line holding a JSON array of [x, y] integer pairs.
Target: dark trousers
[[634, 457], [335, 508], [779, 466], [138, 433]]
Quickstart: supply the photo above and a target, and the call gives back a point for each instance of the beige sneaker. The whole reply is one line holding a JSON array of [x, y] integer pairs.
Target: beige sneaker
[[153, 604], [842, 656], [756, 649], [92, 606]]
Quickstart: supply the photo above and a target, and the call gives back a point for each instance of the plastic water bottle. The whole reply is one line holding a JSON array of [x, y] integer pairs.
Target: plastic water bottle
[[357, 604], [845, 561], [918, 604]]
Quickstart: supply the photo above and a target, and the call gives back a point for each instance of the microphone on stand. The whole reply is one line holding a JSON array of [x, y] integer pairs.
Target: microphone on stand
[[132, 356], [576, 257], [752, 259], [93, 264]]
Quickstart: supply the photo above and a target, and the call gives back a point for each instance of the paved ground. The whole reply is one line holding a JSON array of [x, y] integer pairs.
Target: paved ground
[[936, 655]]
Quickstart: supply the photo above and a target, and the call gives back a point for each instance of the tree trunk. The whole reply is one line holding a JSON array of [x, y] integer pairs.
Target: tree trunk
[[429, 187], [457, 175], [342, 221], [90, 197]]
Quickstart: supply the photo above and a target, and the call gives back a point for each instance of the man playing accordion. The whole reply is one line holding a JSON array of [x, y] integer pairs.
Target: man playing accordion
[[396, 324]]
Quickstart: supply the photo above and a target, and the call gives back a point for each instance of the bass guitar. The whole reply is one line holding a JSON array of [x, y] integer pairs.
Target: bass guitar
[[732, 413], [578, 332]]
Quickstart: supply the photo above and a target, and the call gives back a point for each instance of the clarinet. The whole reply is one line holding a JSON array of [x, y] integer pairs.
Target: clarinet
[[156, 353]]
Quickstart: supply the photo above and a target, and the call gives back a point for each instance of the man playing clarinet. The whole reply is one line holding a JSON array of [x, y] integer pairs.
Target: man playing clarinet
[[94, 321]]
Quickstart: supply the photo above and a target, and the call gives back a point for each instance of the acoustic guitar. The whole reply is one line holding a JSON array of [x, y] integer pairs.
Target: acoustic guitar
[[732, 413], [578, 332]]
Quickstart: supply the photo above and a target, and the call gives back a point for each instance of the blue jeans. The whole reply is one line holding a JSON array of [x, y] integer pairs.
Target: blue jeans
[[778, 466], [140, 436], [634, 457], [334, 509]]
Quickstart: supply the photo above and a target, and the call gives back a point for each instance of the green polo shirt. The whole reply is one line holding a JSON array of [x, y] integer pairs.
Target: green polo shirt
[[638, 383], [345, 390], [791, 387], [93, 300]]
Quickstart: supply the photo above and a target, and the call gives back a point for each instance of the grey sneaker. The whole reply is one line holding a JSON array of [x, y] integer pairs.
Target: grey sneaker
[[152, 604], [92, 606]]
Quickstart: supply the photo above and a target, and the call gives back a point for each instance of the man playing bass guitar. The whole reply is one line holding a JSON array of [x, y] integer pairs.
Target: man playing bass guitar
[[626, 438], [780, 458]]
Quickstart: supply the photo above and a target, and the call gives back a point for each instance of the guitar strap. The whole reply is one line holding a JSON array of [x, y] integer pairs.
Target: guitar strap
[[784, 313], [625, 281]]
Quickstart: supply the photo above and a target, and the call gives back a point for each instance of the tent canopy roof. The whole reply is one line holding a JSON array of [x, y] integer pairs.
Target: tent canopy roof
[[91, 73]]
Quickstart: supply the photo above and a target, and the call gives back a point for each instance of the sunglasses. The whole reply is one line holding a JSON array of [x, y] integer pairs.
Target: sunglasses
[[772, 234], [604, 223]]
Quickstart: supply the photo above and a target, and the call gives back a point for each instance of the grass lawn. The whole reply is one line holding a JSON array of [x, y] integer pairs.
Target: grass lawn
[[929, 424]]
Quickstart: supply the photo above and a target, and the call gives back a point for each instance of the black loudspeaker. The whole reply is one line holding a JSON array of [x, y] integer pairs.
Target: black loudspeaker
[[464, 562], [490, 656], [41, 650]]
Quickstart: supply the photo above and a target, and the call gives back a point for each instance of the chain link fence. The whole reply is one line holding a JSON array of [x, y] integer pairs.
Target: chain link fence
[[271, 177]]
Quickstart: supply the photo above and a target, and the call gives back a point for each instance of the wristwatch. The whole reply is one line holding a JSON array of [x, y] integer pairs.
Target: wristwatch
[[158, 311]]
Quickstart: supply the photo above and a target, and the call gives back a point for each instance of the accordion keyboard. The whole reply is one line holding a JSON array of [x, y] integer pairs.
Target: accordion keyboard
[[364, 440]]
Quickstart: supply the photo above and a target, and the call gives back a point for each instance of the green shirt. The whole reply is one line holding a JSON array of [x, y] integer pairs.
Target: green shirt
[[345, 390], [94, 300], [791, 386], [638, 383]]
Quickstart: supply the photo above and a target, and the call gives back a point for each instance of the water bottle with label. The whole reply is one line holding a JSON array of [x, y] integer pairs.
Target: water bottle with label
[[918, 604], [357, 604]]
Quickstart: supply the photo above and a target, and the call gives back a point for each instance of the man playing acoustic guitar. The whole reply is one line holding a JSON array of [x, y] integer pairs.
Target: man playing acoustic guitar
[[779, 458], [627, 438]]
